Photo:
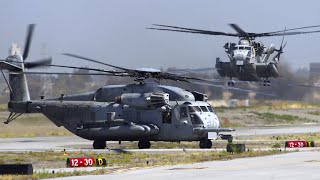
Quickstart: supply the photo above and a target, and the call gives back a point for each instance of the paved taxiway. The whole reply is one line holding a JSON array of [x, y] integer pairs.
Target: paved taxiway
[[59, 143], [296, 165]]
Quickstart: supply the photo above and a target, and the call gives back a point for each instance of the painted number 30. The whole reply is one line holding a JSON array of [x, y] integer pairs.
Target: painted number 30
[[88, 162]]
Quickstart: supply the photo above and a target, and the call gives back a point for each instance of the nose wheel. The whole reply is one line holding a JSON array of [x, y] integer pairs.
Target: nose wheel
[[205, 143]]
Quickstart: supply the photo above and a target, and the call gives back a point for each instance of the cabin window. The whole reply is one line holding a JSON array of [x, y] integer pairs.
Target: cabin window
[[183, 112], [166, 117]]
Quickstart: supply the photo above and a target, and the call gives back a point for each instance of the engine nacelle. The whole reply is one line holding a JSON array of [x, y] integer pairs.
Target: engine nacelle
[[271, 49], [144, 100]]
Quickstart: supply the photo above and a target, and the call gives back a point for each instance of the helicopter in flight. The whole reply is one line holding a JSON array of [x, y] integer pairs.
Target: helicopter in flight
[[249, 60], [143, 111]]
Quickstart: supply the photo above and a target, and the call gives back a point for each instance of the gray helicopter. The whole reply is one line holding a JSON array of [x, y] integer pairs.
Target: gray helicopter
[[143, 111], [249, 60]]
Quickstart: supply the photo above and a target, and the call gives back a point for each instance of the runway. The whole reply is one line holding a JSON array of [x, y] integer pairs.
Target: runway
[[66, 142], [296, 165], [292, 165]]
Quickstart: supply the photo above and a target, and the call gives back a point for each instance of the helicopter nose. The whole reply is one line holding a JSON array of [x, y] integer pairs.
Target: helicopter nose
[[216, 123]]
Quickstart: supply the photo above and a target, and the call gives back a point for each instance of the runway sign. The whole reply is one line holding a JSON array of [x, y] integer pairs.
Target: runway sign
[[101, 162], [16, 169], [299, 144], [80, 162], [86, 162]]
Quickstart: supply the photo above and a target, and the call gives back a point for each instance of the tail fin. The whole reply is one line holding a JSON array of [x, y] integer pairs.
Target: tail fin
[[15, 64], [17, 82]]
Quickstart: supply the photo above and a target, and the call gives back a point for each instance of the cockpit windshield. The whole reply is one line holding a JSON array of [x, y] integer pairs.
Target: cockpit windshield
[[210, 108], [242, 48], [204, 109], [194, 109]]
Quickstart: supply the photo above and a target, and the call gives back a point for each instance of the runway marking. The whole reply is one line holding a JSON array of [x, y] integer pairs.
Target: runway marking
[[313, 161], [188, 168]]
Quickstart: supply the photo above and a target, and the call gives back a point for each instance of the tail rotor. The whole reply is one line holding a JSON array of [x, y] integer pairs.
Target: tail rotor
[[282, 46]]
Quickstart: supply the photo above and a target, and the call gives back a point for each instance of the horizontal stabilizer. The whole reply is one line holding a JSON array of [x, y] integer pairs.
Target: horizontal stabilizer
[[9, 66]]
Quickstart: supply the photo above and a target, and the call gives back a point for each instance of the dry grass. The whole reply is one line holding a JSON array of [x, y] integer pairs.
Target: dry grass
[[30, 125], [123, 160]]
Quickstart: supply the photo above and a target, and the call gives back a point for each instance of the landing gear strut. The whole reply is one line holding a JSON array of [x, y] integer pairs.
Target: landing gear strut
[[99, 144], [144, 144], [227, 137], [205, 143]]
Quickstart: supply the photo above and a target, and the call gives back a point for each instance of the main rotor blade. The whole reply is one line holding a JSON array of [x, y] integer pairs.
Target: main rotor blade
[[188, 71], [28, 41], [65, 73], [233, 88], [95, 61], [292, 29], [239, 30], [292, 33], [84, 68], [27, 65], [190, 30], [38, 63]]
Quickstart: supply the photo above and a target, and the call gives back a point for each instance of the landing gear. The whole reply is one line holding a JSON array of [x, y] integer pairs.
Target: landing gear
[[144, 144], [265, 82], [99, 144], [205, 143], [231, 82], [227, 137]]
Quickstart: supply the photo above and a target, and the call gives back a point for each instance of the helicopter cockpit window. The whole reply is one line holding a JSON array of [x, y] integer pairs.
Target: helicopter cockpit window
[[183, 112], [210, 108], [204, 109], [248, 56], [248, 48], [194, 109], [195, 119]]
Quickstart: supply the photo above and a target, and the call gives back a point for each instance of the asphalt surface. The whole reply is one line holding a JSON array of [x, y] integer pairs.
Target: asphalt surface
[[39, 144], [296, 165]]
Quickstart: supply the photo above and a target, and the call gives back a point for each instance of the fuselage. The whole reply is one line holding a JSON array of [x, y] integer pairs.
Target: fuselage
[[248, 61], [97, 115]]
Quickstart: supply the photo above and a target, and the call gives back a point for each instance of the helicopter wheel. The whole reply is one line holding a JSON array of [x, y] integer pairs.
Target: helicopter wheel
[[144, 144], [205, 143], [99, 144]]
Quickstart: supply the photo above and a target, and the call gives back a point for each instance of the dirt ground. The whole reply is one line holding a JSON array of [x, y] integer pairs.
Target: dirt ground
[[248, 117]]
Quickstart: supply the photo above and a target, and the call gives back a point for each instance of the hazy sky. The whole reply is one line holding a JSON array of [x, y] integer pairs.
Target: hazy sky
[[114, 30]]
